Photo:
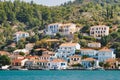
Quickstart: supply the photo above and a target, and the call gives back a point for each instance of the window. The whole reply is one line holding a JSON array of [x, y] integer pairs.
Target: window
[[75, 59], [50, 26], [71, 58], [62, 64], [104, 28], [49, 64]]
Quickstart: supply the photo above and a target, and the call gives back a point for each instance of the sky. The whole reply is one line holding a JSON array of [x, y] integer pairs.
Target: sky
[[48, 2]]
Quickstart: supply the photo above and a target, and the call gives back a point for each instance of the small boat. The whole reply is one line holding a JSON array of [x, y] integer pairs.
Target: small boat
[[23, 69], [89, 68], [99, 68]]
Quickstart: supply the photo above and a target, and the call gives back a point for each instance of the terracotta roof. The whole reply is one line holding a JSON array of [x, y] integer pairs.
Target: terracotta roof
[[16, 56], [45, 55], [66, 24], [48, 52], [17, 60], [105, 49], [58, 60], [89, 59], [110, 60], [75, 56], [54, 23], [100, 26], [68, 44], [52, 40], [38, 49], [31, 57], [42, 61], [94, 43], [86, 49], [30, 44], [20, 32], [4, 53]]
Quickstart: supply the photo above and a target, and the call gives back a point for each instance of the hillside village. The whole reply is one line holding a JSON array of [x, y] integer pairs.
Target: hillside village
[[83, 34], [55, 53]]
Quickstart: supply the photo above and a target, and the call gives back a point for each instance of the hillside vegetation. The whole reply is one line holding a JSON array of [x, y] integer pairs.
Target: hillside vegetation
[[84, 13]]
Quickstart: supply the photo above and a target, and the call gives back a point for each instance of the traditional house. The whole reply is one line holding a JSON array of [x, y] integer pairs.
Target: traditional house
[[45, 57], [32, 62], [89, 52], [57, 64], [21, 50], [29, 46], [32, 58], [67, 49], [63, 29], [90, 62], [49, 53], [105, 54], [94, 45], [113, 63], [75, 59], [99, 31], [43, 64], [67, 29], [19, 35], [16, 57], [19, 62], [52, 29]]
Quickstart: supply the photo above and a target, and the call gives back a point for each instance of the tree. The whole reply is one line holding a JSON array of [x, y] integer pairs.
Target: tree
[[105, 40], [77, 52], [85, 29], [101, 64], [106, 65], [92, 63], [21, 44], [21, 53], [4, 60], [3, 16], [10, 49], [58, 35], [77, 65], [80, 36], [85, 56]]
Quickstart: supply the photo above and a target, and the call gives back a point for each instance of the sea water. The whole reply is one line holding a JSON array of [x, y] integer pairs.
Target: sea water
[[59, 75]]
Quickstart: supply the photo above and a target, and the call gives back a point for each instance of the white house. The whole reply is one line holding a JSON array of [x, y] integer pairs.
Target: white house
[[57, 64], [90, 62], [45, 57], [94, 45], [52, 29], [21, 50], [29, 46], [67, 49], [99, 31], [68, 28], [63, 29], [105, 54], [89, 52], [43, 64], [19, 35]]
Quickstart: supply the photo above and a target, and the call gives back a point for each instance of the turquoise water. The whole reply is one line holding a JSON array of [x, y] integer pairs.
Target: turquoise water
[[60, 75]]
